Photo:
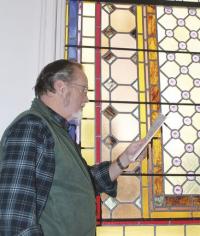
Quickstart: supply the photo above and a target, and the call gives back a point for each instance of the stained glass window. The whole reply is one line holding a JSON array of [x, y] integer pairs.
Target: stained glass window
[[141, 60]]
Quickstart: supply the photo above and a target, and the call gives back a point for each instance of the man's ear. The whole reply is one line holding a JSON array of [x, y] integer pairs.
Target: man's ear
[[59, 86]]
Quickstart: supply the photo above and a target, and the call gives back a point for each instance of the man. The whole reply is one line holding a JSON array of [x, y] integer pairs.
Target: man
[[46, 188]]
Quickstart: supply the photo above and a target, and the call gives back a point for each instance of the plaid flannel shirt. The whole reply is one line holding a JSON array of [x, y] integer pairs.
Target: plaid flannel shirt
[[27, 169]]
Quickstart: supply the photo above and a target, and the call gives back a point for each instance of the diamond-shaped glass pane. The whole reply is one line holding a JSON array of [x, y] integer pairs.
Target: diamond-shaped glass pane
[[159, 201], [133, 9], [134, 58], [111, 203], [134, 33], [110, 112], [110, 84], [109, 57], [110, 141], [109, 8], [109, 32], [138, 203]]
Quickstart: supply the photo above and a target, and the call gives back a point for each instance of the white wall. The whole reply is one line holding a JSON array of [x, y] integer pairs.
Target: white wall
[[31, 35]]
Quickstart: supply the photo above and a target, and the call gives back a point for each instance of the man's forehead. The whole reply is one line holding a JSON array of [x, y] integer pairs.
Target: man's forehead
[[79, 75]]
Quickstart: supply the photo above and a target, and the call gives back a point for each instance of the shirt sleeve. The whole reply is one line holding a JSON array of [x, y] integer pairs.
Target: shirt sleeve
[[101, 179], [23, 193]]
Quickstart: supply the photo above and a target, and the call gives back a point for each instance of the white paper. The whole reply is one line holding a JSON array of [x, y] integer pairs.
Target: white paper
[[153, 129]]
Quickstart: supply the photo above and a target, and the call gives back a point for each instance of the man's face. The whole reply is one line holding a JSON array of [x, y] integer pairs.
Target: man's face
[[76, 95]]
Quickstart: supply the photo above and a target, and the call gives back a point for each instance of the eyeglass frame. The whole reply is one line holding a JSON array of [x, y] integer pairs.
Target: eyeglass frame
[[85, 88]]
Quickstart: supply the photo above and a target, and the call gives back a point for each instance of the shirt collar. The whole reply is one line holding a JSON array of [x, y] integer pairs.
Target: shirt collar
[[58, 118], [69, 126]]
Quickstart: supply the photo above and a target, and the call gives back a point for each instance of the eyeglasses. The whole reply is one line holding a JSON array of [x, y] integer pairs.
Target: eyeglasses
[[85, 88]]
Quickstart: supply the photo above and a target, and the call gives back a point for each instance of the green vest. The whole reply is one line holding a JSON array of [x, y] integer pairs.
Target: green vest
[[70, 208]]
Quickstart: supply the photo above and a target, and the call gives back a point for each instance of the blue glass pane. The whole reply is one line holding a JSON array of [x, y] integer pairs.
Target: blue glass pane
[[73, 28]]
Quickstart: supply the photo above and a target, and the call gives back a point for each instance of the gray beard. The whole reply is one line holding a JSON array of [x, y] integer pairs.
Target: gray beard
[[77, 117]]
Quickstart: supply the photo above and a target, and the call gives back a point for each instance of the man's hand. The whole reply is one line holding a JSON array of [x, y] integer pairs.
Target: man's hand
[[132, 151], [129, 155]]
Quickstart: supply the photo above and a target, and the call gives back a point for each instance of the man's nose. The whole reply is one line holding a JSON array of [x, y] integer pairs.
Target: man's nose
[[86, 98]]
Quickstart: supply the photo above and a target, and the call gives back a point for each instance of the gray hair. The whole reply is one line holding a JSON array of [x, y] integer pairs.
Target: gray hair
[[57, 70]]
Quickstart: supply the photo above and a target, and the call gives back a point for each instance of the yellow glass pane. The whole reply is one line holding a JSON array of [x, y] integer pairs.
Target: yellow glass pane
[[88, 55], [145, 183], [140, 42], [192, 230], [171, 214], [145, 202], [170, 230], [143, 130], [123, 20], [87, 133], [88, 155], [139, 20], [88, 111], [88, 28], [141, 77], [195, 214], [142, 97], [142, 109], [110, 231], [139, 230], [140, 57], [157, 152], [88, 9], [90, 73], [144, 168]]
